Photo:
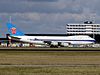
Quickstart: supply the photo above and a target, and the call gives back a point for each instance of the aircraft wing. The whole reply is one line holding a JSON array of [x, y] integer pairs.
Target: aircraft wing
[[15, 38]]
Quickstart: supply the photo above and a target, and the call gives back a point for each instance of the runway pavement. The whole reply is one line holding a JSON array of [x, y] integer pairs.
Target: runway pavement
[[47, 49], [66, 65]]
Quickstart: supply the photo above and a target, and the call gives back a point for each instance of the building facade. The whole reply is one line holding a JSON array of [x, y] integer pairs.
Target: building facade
[[83, 28], [87, 28]]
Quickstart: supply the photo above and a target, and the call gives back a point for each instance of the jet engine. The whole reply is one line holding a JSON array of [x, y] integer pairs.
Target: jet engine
[[65, 44]]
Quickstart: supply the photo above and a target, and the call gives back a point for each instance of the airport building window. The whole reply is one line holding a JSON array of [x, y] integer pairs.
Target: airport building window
[[83, 28]]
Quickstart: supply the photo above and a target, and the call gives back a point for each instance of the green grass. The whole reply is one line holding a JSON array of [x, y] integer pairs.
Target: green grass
[[51, 58], [76, 63], [53, 53], [82, 70]]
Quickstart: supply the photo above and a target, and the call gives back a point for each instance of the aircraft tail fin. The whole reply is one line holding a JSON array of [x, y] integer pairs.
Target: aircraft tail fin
[[13, 30]]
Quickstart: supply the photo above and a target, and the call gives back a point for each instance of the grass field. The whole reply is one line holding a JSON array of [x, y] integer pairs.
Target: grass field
[[73, 63], [82, 70]]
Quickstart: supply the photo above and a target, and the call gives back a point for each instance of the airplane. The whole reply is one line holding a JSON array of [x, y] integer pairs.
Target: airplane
[[52, 41]]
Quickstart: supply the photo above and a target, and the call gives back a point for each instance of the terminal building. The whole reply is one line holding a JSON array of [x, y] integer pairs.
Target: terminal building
[[87, 28]]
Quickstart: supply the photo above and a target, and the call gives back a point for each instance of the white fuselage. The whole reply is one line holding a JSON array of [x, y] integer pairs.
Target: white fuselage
[[77, 39]]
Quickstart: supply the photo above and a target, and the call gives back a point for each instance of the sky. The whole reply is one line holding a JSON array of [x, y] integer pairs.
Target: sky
[[47, 16]]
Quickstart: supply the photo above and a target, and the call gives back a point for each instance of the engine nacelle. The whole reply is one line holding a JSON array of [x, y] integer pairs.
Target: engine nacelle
[[57, 44], [64, 44], [54, 43]]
